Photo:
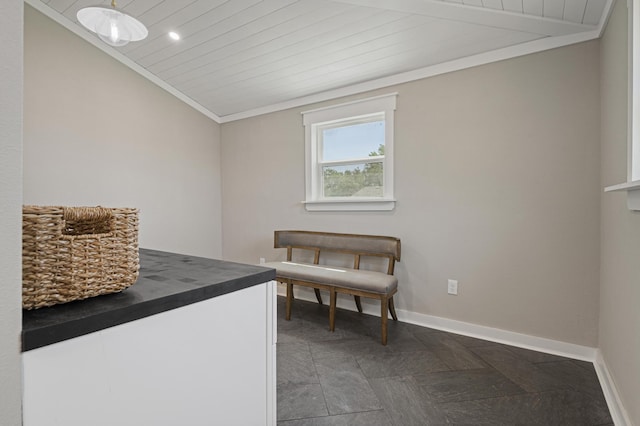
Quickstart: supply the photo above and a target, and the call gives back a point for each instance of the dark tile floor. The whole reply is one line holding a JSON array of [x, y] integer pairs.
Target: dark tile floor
[[422, 377]]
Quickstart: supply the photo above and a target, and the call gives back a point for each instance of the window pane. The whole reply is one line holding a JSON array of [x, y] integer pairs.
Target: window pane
[[354, 180], [354, 141]]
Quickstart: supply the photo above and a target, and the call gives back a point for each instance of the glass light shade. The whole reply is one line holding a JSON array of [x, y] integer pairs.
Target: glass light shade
[[112, 26]]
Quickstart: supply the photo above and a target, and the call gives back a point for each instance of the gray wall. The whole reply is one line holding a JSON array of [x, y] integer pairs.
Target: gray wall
[[98, 133], [10, 211], [620, 276], [497, 182]]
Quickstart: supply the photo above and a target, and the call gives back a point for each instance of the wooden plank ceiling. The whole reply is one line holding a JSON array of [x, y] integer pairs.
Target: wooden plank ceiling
[[239, 55]]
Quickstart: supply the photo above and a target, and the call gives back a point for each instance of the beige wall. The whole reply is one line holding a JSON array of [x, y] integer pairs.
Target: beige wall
[[98, 133], [10, 211], [497, 182], [620, 275]]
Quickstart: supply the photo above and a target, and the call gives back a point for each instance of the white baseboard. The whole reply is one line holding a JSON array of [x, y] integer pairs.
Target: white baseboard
[[555, 347], [540, 344], [618, 413]]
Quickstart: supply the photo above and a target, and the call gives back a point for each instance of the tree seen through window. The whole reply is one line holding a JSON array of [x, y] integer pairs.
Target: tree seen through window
[[355, 180]]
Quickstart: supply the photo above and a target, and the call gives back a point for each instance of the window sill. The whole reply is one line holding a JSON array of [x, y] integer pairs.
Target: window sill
[[366, 204], [633, 193]]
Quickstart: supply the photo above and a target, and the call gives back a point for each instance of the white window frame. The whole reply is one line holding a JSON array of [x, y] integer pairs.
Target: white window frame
[[633, 171], [323, 117], [632, 185]]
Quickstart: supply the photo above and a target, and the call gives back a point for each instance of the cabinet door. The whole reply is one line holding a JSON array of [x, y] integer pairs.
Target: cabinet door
[[203, 364], [272, 337]]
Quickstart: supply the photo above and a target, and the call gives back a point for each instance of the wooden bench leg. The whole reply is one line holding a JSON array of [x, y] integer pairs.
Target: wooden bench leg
[[384, 307], [358, 304], [318, 295], [392, 309], [332, 309], [289, 300]]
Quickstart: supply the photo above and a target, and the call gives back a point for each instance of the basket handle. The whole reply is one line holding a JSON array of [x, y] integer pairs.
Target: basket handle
[[92, 214]]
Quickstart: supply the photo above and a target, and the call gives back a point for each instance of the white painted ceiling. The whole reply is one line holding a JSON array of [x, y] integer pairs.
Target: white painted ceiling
[[242, 56]]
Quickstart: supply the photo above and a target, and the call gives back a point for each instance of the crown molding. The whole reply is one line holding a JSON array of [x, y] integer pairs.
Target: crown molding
[[535, 46], [95, 41], [523, 49]]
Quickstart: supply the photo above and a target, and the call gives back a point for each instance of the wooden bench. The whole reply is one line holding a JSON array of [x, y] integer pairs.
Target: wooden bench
[[353, 281]]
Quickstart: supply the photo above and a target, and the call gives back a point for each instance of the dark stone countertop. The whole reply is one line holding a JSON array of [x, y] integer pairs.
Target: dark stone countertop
[[167, 281]]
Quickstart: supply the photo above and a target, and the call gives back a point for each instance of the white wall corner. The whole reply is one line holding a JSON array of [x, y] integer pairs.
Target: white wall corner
[[619, 415], [11, 124], [604, 20]]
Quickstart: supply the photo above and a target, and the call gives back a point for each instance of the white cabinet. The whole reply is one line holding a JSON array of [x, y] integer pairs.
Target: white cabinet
[[207, 363]]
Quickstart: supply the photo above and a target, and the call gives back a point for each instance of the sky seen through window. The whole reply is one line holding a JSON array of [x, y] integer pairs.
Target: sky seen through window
[[350, 142]]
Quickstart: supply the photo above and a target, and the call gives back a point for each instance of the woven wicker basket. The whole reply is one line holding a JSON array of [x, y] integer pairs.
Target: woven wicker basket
[[72, 253]]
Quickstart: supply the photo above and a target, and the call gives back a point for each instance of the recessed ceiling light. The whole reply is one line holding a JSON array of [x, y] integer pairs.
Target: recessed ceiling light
[[174, 35]]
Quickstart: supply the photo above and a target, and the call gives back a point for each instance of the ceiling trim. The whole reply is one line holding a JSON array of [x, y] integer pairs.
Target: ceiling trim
[[608, 10], [430, 71], [545, 43], [477, 15], [77, 30]]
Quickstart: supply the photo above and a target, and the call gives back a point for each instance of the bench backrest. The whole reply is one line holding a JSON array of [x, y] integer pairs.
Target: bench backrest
[[354, 244]]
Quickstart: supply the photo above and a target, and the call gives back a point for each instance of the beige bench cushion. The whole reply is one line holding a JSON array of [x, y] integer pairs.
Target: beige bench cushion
[[354, 279]]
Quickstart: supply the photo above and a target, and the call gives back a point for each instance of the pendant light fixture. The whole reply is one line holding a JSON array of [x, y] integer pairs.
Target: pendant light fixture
[[112, 26]]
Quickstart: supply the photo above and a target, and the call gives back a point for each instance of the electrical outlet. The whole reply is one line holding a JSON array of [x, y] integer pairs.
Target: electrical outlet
[[262, 261], [452, 287]]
